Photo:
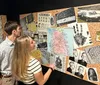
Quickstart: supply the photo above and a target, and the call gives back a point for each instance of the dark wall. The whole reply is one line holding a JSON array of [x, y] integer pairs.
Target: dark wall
[[16, 7], [25, 6], [3, 7]]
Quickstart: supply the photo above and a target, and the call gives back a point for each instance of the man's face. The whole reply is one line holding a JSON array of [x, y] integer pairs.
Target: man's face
[[80, 70], [91, 72], [83, 56], [72, 66], [18, 31]]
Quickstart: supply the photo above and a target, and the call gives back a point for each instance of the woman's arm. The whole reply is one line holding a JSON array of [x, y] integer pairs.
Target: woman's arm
[[40, 78]]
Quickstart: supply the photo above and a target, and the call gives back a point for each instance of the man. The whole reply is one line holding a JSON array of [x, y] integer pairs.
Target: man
[[80, 72], [82, 60], [75, 55], [13, 31], [71, 67]]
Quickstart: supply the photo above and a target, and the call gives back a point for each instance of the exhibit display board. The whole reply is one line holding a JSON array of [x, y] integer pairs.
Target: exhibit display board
[[3, 20], [68, 37]]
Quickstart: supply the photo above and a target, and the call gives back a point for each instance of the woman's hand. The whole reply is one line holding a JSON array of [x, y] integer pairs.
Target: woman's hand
[[52, 66]]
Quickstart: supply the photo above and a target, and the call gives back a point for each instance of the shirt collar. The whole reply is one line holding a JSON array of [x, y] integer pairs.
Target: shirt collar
[[9, 42]]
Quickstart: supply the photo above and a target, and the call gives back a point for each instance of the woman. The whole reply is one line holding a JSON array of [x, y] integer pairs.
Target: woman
[[92, 74], [25, 67]]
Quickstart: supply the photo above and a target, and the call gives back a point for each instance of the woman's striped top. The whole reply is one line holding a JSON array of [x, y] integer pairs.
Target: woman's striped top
[[33, 68]]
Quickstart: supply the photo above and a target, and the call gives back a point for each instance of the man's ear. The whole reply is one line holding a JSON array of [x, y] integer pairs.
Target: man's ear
[[14, 31]]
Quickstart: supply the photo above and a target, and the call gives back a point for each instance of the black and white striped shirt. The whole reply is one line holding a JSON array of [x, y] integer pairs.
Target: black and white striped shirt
[[33, 68]]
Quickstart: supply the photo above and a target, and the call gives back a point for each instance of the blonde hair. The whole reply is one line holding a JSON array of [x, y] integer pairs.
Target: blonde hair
[[21, 56]]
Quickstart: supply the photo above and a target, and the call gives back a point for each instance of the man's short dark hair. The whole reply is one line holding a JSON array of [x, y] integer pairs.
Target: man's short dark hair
[[10, 26]]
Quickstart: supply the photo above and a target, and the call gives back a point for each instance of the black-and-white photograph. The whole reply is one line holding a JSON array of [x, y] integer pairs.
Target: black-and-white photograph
[[23, 25], [75, 55], [71, 66], [89, 13], [36, 37], [93, 54], [65, 17], [80, 71], [41, 44], [81, 35], [83, 59], [52, 21], [92, 74], [42, 41], [60, 62], [30, 18], [44, 21]]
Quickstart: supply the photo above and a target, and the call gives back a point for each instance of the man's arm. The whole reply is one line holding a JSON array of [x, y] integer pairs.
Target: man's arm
[[1, 58]]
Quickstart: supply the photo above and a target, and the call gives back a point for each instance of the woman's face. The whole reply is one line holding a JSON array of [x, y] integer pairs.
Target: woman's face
[[91, 72], [17, 32], [32, 44]]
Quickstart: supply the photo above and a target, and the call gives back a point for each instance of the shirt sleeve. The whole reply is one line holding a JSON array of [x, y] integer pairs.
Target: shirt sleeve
[[1, 58], [35, 66]]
